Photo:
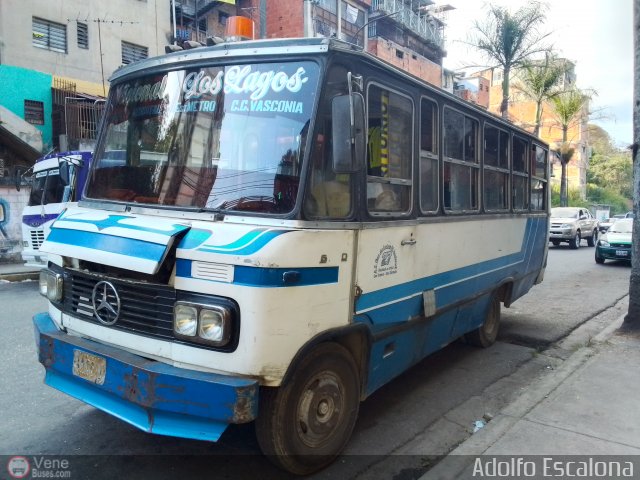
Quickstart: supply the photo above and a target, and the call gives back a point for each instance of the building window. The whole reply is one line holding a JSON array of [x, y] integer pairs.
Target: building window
[[132, 53], [83, 35], [34, 112], [222, 18], [329, 5], [49, 35]]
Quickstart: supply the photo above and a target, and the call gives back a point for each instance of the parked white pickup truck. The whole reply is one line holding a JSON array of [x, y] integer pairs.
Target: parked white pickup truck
[[571, 225]]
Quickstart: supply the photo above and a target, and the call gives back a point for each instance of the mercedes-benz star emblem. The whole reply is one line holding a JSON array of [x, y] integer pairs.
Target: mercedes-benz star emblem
[[106, 303]]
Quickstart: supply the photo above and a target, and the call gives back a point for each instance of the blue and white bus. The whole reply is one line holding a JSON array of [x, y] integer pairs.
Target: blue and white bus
[[295, 224], [58, 178]]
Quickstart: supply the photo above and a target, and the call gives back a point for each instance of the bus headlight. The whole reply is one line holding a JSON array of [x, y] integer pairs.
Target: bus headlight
[[206, 324], [214, 325], [50, 285], [185, 320]]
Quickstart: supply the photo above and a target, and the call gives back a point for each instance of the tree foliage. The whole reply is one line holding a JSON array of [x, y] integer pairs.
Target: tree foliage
[[508, 39], [569, 109], [610, 168], [540, 81]]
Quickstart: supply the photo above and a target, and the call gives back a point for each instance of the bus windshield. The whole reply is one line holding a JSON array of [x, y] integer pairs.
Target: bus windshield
[[48, 187], [224, 138]]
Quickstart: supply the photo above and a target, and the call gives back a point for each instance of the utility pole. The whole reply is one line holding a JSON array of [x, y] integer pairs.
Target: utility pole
[[632, 319]]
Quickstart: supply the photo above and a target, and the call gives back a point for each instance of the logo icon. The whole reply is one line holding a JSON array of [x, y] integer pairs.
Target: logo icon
[[386, 262], [18, 467], [106, 303]]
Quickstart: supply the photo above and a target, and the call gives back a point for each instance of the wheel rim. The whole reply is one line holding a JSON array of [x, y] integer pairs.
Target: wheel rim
[[320, 409]]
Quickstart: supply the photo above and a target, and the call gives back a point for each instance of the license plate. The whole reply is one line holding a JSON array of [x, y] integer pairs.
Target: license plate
[[90, 367], [621, 253]]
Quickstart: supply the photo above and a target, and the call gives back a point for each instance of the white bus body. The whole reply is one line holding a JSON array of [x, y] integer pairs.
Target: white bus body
[[291, 225]]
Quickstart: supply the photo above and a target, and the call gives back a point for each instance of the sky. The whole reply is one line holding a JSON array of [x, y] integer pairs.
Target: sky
[[596, 35]]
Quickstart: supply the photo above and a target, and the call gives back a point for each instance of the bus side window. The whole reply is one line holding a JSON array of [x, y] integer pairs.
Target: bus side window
[[496, 168], [389, 151], [429, 178], [461, 168], [520, 180], [328, 195]]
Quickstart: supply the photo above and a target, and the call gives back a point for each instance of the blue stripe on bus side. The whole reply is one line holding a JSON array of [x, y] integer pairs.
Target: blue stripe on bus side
[[270, 277], [248, 244], [108, 243]]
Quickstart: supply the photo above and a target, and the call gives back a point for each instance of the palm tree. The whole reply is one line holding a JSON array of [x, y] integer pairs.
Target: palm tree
[[570, 109], [540, 81], [509, 39], [632, 319]]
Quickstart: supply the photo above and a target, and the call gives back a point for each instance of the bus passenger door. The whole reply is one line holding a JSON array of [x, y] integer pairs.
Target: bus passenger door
[[386, 298]]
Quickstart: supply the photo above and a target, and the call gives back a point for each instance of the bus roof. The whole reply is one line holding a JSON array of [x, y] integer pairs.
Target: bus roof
[[84, 154]]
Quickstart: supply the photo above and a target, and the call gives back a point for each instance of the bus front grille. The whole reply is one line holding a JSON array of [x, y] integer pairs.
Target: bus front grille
[[37, 237], [145, 309]]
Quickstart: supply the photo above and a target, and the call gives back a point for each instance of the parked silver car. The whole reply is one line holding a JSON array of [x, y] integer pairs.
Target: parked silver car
[[571, 225]]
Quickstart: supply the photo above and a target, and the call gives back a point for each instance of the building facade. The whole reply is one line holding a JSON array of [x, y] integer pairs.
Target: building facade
[[522, 112], [56, 57], [406, 33]]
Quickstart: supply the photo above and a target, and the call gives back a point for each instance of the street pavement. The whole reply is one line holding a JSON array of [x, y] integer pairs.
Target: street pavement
[[587, 406]]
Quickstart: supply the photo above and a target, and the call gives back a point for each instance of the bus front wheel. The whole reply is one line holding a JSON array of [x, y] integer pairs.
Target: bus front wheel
[[485, 335], [303, 425]]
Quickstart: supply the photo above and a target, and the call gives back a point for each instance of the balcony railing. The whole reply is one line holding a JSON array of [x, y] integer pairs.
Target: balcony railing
[[423, 25]]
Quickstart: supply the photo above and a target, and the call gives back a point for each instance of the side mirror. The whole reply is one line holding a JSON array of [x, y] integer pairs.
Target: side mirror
[[2, 213], [347, 133]]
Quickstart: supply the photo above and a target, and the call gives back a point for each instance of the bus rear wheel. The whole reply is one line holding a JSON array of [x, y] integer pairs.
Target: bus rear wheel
[[486, 335], [303, 425]]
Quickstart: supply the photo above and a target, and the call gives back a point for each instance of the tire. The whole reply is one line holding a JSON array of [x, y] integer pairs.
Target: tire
[[591, 241], [599, 259], [303, 425], [575, 241], [555, 242], [486, 335]]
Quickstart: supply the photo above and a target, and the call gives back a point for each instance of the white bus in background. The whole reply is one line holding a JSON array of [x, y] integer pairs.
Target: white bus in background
[[56, 180]]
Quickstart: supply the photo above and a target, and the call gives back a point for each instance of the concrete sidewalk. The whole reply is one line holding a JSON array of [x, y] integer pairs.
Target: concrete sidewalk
[[17, 272], [588, 406]]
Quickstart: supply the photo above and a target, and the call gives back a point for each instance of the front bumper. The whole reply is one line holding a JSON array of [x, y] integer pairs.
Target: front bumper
[[613, 253], [562, 234], [150, 395]]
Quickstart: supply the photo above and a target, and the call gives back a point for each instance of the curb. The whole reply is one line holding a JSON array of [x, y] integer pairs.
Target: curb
[[460, 459], [19, 277]]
